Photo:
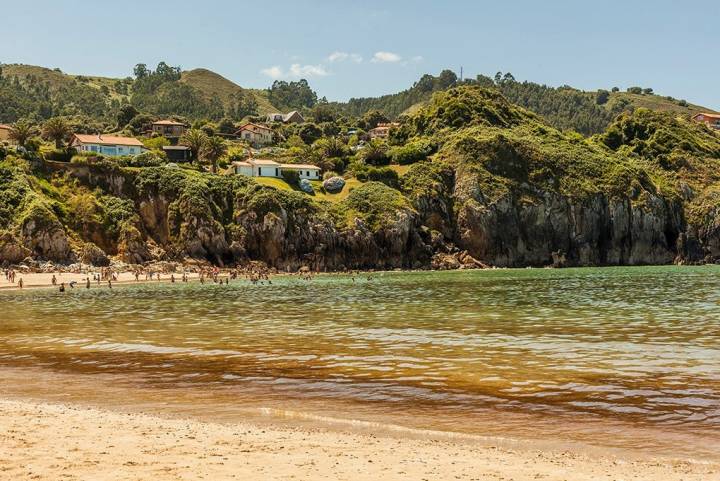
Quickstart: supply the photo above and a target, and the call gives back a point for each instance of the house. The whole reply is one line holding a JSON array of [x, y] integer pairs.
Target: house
[[711, 120], [382, 130], [257, 168], [270, 168], [178, 153], [5, 133], [305, 171], [170, 129], [293, 117], [256, 134], [109, 145]]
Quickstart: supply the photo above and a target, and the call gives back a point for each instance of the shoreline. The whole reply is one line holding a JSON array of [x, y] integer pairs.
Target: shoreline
[[42, 280], [47, 441]]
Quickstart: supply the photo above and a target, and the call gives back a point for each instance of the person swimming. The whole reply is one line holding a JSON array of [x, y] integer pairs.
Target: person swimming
[[62, 287]]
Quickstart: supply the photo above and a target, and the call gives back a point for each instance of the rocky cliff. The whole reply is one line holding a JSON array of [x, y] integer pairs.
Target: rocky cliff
[[502, 188]]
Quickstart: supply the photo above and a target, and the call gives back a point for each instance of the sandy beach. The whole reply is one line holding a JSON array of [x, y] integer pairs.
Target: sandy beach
[[37, 280], [53, 441]]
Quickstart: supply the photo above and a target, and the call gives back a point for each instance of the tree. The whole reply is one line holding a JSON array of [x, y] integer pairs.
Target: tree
[[616, 89], [125, 114], [226, 126], [373, 118], [292, 95], [58, 130], [602, 97], [635, 90], [648, 91], [141, 71], [194, 139], [375, 152], [213, 148], [22, 131]]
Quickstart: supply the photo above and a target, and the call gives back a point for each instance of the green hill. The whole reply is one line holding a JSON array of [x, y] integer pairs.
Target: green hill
[[211, 84]]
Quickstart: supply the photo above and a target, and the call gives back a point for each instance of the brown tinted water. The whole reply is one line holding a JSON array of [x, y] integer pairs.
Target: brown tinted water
[[622, 357]]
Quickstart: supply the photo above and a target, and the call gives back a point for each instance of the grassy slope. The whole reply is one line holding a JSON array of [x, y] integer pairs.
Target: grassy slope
[[653, 102], [211, 83], [659, 103], [57, 79]]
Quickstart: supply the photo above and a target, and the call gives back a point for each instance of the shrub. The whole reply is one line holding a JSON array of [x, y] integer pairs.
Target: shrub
[[146, 159], [291, 177], [156, 143], [635, 90], [375, 152], [60, 155], [411, 153]]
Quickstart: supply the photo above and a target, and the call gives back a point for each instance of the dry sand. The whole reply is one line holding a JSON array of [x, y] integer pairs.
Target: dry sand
[[41, 279], [56, 442]]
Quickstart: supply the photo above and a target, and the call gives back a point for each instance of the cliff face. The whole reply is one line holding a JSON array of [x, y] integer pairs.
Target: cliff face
[[502, 188]]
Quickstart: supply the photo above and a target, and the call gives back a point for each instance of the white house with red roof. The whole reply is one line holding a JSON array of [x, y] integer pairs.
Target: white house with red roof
[[110, 145]]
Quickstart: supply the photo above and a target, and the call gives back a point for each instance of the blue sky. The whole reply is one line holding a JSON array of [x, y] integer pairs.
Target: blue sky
[[368, 47]]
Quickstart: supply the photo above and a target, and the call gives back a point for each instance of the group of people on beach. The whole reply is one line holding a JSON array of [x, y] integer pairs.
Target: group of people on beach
[[10, 276], [254, 274]]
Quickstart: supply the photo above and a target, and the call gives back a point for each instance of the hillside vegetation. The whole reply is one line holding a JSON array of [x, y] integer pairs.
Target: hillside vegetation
[[476, 179]]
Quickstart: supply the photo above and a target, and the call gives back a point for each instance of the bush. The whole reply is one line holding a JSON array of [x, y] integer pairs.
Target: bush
[[635, 90], [602, 97], [61, 155], [146, 159], [375, 152], [156, 143], [366, 173], [291, 177], [411, 153]]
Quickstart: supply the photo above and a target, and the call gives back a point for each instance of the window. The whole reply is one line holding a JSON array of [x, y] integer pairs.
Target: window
[[277, 172], [308, 173]]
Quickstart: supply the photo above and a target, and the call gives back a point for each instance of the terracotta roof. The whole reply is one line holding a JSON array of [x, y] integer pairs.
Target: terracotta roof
[[5, 126], [168, 122], [242, 164], [244, 127], [709, 116], [299, 166], [108, 140]]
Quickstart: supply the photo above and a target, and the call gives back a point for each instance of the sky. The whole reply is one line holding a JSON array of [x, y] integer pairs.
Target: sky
[[368, 48]]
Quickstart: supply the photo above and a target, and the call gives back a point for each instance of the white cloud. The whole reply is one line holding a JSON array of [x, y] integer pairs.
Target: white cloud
[[274, 72], [386, 57], [296, 70], [342, 56]]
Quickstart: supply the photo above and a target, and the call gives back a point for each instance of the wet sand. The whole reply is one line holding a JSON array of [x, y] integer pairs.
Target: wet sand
[[54, 441]]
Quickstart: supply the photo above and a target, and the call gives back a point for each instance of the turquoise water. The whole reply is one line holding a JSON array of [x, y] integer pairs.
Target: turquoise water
[[625, 345]]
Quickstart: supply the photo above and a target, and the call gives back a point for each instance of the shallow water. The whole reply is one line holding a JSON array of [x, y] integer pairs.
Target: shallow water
[[611, 350]]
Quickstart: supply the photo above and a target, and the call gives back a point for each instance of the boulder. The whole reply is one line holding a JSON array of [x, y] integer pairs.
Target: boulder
[[93, 255], [306, 186], [334, 184], [11, 249]]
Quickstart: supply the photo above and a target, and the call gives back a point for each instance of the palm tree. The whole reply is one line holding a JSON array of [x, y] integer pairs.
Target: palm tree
[[22, 131], [194, 139], [56, 129], [214, 148]]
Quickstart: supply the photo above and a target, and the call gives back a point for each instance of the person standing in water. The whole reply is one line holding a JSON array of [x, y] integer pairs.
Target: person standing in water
[[20, 283], [87, 283], [110, 283], [54, 280], [62, 287]]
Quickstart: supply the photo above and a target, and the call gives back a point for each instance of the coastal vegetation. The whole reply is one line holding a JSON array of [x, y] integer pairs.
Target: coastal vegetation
[[467, 171]]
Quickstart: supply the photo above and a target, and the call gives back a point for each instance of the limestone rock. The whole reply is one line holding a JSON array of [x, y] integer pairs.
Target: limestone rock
[[306, 186], [334, 184]]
